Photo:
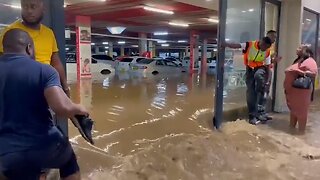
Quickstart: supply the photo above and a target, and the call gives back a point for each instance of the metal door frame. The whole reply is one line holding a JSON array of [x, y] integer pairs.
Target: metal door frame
[[262, 34]]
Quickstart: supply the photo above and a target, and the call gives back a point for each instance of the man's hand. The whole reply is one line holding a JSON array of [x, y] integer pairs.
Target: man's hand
[[276, 59]]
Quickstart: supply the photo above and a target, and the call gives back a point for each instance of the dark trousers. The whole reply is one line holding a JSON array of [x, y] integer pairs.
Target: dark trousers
[[27, 165], [262, 106], [256, 83]]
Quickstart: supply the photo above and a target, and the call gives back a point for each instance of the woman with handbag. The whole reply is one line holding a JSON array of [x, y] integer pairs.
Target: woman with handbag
[[299, 86]]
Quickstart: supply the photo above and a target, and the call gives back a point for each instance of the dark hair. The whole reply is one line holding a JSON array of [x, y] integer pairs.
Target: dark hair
[[306, 53], [271, 31], [267, 40]]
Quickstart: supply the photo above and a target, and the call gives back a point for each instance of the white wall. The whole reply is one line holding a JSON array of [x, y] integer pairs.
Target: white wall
[[312, 4]]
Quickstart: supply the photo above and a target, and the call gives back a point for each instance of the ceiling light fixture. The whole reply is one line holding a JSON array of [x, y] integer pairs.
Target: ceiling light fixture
[[105, 43], [12, 6], [148, 8], [92, 44], [182, 41], [179, 24], [251, 10], [308, 20], [160, 33], [165, 45], [135, 46], [213, 20], [121, 42], [161, 41], [116, 30], [106, 47]]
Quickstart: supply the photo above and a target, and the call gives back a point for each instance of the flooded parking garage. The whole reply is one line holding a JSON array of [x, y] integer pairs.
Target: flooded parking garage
[[160, 127]]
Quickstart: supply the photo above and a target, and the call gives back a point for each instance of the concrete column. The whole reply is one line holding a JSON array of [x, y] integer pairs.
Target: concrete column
[[110, 50], [152, 48], [54, 18], [290, 39], [204, 56], [142, 43], [122, 51], [96, 50], [186, 52]]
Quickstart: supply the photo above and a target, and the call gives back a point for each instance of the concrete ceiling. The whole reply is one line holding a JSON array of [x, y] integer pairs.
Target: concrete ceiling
[[130, 14]]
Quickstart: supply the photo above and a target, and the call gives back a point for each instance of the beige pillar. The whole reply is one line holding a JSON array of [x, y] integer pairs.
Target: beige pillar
[[290, 39], [122, 51], [110, 50]]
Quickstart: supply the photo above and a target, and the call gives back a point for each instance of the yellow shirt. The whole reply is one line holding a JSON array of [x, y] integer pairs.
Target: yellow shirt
[[44, 41]]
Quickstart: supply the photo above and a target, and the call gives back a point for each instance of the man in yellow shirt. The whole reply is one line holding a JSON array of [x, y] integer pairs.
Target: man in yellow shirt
[[46, 48]]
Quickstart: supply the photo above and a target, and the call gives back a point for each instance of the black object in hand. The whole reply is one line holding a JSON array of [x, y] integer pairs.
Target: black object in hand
[[84, 126]]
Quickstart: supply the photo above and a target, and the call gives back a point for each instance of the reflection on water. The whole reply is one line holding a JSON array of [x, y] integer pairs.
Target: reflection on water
[[159, 127]]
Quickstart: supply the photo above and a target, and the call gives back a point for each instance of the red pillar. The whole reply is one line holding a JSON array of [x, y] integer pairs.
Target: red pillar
[[193, 43]]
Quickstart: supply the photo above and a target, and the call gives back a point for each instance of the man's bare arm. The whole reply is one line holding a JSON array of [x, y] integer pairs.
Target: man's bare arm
[[233, 45], [56, 63], [61, 104]]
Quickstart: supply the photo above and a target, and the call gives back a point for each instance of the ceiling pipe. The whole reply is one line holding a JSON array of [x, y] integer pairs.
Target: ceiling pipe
[[125, 37]]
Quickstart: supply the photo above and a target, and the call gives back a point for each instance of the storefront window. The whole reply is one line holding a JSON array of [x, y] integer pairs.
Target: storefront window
[[10, 12], [243, 24], [309, 29]]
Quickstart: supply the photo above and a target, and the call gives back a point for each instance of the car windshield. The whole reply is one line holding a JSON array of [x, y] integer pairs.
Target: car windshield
[[145, 61], [126, 60], [102, 57]]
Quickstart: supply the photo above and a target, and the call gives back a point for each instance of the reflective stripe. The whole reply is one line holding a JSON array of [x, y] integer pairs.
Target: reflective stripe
[[254, 57]]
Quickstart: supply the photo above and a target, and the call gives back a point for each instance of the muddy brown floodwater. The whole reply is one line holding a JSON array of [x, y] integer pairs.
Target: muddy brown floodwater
[[159, 128]]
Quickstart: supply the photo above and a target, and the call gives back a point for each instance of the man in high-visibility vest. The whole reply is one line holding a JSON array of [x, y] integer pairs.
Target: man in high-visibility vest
[[256, 56]]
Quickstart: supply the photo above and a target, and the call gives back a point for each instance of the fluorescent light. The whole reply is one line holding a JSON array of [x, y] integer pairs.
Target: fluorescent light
[[161, 41], [308, 20], [244, 11], [213, 20], [179, 24], [135, 46], [182, 41], [105, 43], [165, 45], [227, 39], [157, 10], [251, 10], [67, 49], [93, 44], [106, 47], [160, 33], [121, 42], [116, 30], [12, 6]]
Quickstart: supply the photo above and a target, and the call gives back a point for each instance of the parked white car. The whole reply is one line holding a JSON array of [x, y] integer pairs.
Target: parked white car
[[124, 64], [156, 66], [97, 67]]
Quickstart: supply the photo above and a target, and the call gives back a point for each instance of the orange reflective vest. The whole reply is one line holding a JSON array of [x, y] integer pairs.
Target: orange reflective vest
[[254, 57]]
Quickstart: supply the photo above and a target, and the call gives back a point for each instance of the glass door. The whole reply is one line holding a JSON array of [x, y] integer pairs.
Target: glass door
[[271, 17], [240, 22]]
